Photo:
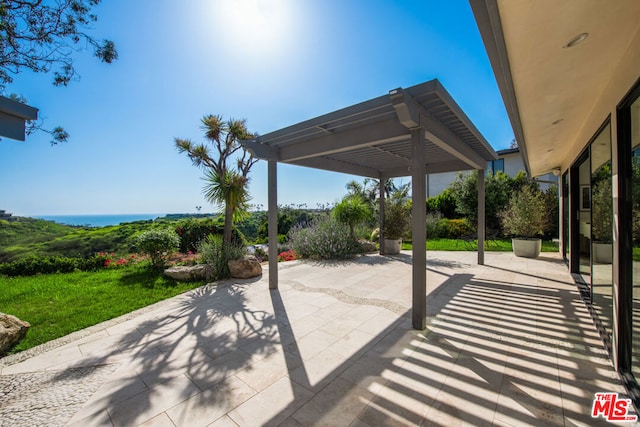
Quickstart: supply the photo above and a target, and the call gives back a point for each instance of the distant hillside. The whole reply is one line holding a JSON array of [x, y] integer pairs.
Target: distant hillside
[[30, 236], [30, 230]]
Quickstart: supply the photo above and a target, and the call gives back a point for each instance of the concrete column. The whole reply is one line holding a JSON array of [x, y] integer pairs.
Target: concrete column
[[272, 172], [418, 227], [382, 179], [481, 217]]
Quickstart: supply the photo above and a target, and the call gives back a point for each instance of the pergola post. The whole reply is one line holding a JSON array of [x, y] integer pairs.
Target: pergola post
[[381, 188], [272, 209], [481, 217], [419, 232]]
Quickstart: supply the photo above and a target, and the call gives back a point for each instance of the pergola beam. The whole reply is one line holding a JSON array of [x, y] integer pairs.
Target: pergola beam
[[411, 115], [388, 130], [261, 151], [338, 166]]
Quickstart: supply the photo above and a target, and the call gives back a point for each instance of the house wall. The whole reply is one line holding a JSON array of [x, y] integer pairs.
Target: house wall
[[513, 164], [619, 83]]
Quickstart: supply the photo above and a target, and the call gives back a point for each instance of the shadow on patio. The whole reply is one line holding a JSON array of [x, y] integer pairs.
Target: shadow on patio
[[511, 344]]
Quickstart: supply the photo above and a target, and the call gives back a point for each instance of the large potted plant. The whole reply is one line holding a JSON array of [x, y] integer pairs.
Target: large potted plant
[[602, 221], [397, 215], [525, 218]]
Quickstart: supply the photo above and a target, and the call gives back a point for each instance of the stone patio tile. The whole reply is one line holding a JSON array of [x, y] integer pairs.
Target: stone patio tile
[[48, 360], [369, 372], [313, 343], [224, 421], [337, 310], [272, 405], [354, 344], [340, 326], [124, 386], [269, 370], [384, 321], [161, 420], [152, 402], [219, 369], [302, 327], [204, 408], [336, 405], [395, 406], [317, 372], [97, 419]]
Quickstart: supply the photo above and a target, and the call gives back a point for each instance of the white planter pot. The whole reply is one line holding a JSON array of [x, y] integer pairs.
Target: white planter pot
[[527, 248], [603, 253], [392, 246]]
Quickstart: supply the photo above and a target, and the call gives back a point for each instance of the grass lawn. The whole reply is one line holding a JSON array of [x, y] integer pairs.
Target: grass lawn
[[58, 304], [502, 245]]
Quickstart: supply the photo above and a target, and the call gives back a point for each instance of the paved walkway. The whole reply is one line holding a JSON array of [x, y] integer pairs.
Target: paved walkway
[[507, 344]]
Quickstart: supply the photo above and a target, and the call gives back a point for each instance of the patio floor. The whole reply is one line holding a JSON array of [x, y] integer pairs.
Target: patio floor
[[509, 343]]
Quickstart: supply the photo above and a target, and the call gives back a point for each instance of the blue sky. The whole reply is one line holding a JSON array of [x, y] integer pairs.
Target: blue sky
[[274, 63]]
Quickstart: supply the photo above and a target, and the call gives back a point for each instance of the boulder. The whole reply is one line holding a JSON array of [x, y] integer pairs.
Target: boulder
[[12, 330], [186, 273], [367, 246], [245, 268]]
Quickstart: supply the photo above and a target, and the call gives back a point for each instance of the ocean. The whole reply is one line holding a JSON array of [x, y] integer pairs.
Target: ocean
[[97, 220]]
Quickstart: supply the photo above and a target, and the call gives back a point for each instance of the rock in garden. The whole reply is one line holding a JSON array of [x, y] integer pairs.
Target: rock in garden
[[245, 268], [367, 246], [186, 273], [12, 330]]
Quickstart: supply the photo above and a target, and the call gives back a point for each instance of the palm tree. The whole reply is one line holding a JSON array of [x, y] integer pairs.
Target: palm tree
[[352, 210], [225, 184]]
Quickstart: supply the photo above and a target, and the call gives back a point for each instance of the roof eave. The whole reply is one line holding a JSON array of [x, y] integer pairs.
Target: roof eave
[[487, 17]]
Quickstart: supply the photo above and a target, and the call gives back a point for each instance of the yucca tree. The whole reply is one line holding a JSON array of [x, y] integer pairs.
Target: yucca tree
[[229, 190], [226, 185]]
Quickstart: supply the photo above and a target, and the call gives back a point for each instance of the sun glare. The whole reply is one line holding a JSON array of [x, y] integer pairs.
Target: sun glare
[[259, 27]]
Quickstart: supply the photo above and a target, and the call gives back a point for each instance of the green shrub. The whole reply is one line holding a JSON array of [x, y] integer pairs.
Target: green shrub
[[213, 252], [444, 204], [432, 225], [526, 216], [454, 228], [193, 231], [158, 244], [325, 238], [33, 265], [261, 254]]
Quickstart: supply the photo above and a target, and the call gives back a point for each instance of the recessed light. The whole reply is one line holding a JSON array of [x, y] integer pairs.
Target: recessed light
[[574, 41]]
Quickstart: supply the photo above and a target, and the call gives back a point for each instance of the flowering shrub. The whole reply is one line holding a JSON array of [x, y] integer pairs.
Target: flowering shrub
[[289, 255], [158, 244], [110, 260], [325, 238]]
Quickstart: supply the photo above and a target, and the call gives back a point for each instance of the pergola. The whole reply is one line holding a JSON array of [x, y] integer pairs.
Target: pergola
[[408, 132]]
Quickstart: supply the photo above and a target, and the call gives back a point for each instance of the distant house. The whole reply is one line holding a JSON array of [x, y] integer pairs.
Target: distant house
[[7, 216], [509, 161]]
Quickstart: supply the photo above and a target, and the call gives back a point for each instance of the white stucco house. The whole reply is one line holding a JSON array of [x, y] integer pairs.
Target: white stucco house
[[509, 161]]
